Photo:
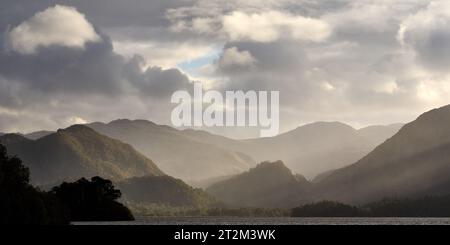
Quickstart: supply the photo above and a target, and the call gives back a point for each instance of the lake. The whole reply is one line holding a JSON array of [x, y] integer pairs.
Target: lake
[[273, 221]]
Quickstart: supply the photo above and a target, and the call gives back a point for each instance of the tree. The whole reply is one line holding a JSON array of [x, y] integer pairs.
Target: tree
[[20, 202], [326, 209], [94, 200]]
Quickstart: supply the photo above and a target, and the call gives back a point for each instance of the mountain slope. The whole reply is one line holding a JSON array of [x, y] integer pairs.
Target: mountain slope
[[319, 147], [8, 139], [176, 153], [270, 184], [38, 134], [414, 162], [164, 190], [379, 134], [310, 149], [78, 151]]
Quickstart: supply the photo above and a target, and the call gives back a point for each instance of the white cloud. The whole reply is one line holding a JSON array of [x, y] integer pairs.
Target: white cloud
[[387, 87], [58, 25], [76, 120], [232, 57], [273, 25], [327, 86]]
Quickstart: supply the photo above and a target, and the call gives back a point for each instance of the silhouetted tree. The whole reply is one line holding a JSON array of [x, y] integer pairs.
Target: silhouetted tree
[[326, 209], [429, 206], [94, 200], [20, 202]]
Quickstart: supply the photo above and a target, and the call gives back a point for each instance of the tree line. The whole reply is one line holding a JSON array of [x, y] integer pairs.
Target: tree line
[[82, 200]]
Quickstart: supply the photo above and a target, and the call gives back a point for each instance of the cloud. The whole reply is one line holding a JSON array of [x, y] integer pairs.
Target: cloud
[[233, 58], [427, 33], [273, 25], [76, 120], [59, 85], [167, 55], [361, 62], [154, 81], [58, 25]]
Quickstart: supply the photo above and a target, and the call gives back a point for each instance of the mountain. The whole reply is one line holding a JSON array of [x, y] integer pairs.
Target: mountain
[[322, 176], [310, 149], [38, 134], [177, 153], [319, 147], [269, 184], [413, 163], [378, 134], [9, 139], [75, 152], [32, 136], [164, 190]]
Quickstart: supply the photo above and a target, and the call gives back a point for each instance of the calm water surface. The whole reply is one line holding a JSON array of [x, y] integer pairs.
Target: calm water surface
[[273, 221]]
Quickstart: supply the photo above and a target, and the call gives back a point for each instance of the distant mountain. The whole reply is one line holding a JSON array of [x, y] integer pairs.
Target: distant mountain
[[9, 139], [75, 152], [319, 147], [205, 183], [38, 134], [269, 184], [413, 163], [378, 134], [181, 154], [322, 176], [310, 149], [164, 190], [32, 136]]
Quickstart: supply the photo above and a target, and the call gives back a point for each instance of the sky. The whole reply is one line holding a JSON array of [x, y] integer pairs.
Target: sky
[[361, 62]]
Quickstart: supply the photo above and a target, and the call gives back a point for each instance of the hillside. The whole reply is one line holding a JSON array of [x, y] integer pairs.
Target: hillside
[[176, 153], [38, 134], [319, 147], [310, 149], [269, 184], [9, 139], [378, 134], [163, 190], [78, 151], [413, 163]]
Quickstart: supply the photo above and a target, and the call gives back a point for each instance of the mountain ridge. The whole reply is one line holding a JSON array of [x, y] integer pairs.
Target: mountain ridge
[[79, 151], [269, 184], [177, 154], [411, 163]]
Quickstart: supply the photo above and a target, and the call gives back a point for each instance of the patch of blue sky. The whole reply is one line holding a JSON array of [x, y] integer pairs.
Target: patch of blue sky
[[192, 66]]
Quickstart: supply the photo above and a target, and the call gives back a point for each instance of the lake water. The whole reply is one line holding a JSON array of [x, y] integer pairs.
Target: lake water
[[273, 221]]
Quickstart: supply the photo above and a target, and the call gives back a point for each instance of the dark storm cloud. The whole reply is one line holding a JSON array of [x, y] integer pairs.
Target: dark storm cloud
[[106, 13], [154, 81], [94, 69]]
